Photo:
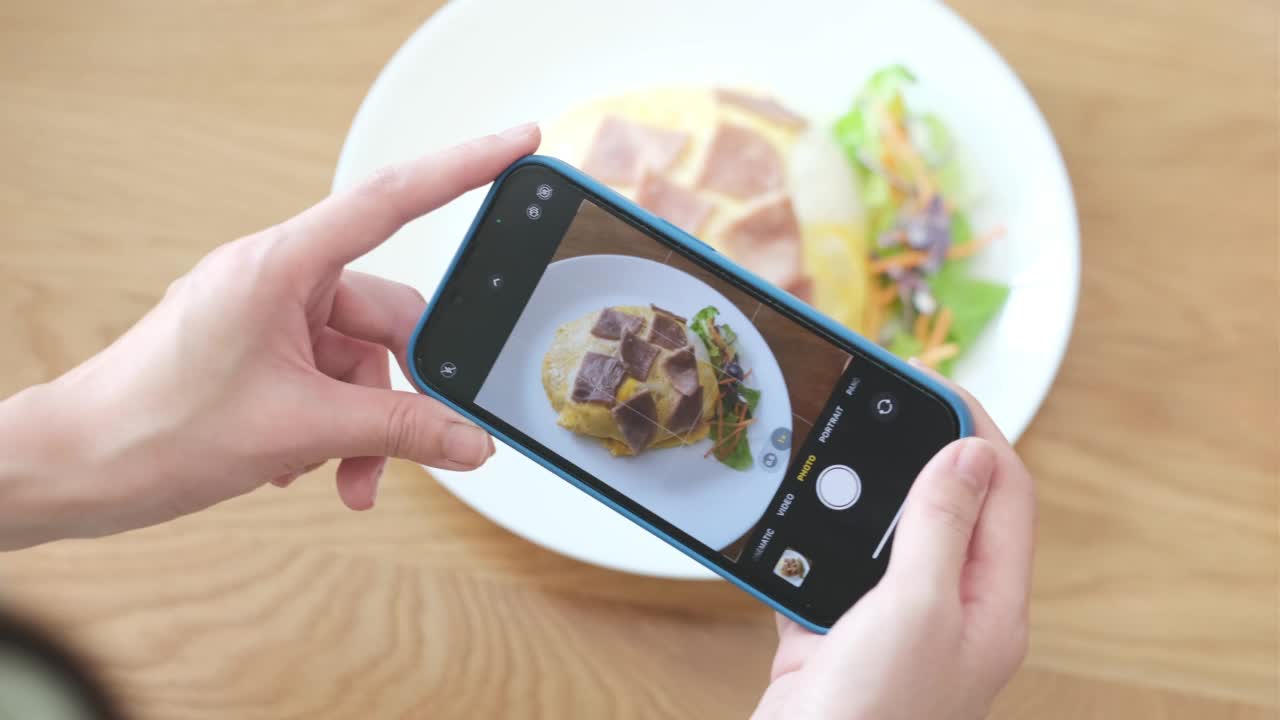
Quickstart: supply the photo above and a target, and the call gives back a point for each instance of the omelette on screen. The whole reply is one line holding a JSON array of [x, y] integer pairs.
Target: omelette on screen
[[633, 377]]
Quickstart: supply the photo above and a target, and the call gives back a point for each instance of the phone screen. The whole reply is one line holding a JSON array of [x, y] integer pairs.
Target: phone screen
[[723, 419]]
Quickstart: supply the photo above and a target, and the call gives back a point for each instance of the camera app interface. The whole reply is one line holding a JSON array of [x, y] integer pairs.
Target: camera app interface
[[681, 395]]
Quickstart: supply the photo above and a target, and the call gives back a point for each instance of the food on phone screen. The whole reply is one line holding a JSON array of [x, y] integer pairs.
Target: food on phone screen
[[792, 567], [667, 329], [597, 379], [637, 355], [613, 324], [645, 378], [637, 420], [681, 368], [736, 411], [631, 378]]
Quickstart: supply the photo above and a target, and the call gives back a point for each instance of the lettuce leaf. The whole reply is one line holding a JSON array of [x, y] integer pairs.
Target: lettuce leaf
[[947, 367], [973, 301], [905, 345], [961, 230], [886, 83], [701, 326], [739, 456]]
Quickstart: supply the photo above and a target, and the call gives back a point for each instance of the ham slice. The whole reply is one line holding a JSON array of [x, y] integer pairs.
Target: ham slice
[[613, 324], [668, 331], [637, 420], [801, 287], [597, 380], [637, 356], [622, 149], [682, 369], [765, 107], [668, 313], [687, 413], [674, 203], [741, 162], [766, 240]]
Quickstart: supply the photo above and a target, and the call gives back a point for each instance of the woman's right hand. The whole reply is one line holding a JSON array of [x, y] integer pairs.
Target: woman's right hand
[[946, 628]]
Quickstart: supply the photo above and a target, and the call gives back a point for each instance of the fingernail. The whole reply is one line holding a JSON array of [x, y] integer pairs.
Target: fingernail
[[977, 463], [492, 448], [466, 444], [518, 131]]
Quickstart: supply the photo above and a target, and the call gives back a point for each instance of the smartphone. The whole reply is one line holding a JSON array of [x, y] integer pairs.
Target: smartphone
[[722, 414]]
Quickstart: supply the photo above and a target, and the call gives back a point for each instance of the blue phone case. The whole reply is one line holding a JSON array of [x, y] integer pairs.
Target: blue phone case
[[704, 252]]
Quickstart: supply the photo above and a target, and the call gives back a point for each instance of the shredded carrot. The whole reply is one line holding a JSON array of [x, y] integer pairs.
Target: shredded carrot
[[903, 260], [915, 258], [732, 440], [935, 355], [715, 335], [922, 328], [719, 428], [887, 162], [924, 186], [887, 294], [875, 319], [737, 423], [900, 190], [977, 244], [941, 326]]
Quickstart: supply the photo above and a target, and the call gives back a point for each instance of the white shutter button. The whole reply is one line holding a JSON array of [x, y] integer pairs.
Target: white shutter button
[[839, 487]]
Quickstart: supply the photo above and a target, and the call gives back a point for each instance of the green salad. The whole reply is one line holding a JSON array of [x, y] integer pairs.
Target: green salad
[[737, 401], [925, 301]]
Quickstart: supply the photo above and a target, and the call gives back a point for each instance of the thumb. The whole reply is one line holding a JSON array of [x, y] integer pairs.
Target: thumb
[[388, 423], [941, 511]]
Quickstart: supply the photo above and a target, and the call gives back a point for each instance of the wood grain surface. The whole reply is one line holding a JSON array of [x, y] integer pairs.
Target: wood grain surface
[[136, 135]]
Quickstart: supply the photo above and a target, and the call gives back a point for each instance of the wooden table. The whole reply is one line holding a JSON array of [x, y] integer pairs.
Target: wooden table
[[135, 136]]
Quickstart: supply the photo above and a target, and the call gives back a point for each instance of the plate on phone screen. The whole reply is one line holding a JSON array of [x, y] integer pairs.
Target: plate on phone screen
[[678, 484], [478, 66]]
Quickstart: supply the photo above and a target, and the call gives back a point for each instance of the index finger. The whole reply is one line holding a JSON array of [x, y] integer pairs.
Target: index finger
[[346, 225]]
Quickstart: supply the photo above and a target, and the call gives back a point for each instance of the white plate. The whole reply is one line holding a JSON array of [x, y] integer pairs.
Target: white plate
[[678, 484], [483, 65]]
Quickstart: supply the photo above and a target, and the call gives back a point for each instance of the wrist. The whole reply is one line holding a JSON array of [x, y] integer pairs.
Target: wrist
[[45, 493]]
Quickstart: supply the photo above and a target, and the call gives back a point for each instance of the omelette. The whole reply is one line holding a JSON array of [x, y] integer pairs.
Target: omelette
[[635, 378], [709, 170]]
